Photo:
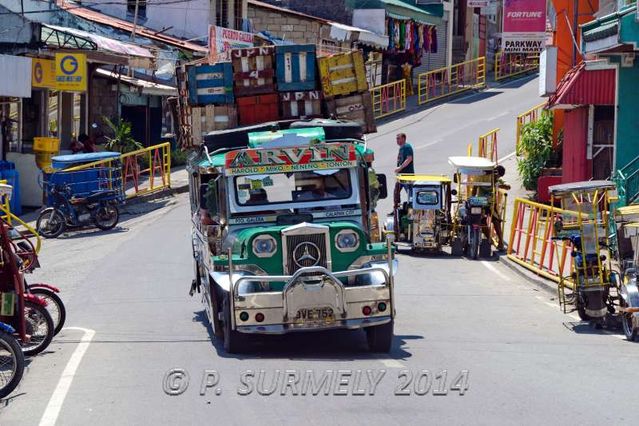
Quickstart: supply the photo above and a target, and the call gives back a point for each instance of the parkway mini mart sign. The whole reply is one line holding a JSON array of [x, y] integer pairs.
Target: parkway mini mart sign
[[524, 29]]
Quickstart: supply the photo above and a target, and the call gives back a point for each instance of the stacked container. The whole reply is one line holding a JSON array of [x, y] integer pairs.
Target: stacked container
[[343, 80], [254, 84], [296, 73], [211, 99]]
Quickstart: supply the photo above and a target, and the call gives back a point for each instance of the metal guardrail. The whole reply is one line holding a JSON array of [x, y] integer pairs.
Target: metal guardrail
[[143, 171], [389, 98], [531, 245], [448, 81], [486, 146], [627, 181], [524, 118], [512, 64]]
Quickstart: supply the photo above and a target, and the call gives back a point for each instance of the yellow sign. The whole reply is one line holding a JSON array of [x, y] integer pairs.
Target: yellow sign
[[71, 72], [43, 73]]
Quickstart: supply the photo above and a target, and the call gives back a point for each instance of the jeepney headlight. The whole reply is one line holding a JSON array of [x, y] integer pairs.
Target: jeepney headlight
[[264, 246], [347, 241]]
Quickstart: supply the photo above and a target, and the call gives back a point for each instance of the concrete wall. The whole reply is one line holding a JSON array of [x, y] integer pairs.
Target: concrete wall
[[287, 26], [189, 19]]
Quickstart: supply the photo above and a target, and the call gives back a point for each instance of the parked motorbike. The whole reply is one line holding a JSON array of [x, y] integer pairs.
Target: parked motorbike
[[592, 280], [98, 208], [11, 360]]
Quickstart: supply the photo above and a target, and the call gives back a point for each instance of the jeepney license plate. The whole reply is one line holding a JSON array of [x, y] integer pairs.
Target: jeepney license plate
[[315, 315]]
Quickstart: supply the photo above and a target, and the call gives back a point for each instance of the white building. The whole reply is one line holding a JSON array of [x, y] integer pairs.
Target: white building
[[188, 19]]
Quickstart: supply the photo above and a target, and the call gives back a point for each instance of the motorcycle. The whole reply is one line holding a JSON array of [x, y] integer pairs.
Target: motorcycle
[[98, 208], [592, 281]]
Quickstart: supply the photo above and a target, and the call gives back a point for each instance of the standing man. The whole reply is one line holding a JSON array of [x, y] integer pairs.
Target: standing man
[[405, 156]]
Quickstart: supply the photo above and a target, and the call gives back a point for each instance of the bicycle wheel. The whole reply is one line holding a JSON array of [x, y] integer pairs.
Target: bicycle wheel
[[11, 364], [39, 325], [55, 306]]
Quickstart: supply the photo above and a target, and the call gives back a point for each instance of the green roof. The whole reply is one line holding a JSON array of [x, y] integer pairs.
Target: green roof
[[403, 9], [621, 22]]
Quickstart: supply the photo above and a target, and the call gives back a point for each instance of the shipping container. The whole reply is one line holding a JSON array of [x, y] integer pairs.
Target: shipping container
[[210, 118], [357, 108], [342, 74], [258, 109], [253, 72], [210, 84], [301, 104], [295, 68]]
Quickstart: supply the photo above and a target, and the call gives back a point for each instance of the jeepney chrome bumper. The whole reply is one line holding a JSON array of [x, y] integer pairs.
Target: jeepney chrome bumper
[[315, 288], [349, 324]]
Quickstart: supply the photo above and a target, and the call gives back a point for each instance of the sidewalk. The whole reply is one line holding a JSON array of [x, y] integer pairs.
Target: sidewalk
[[140, 205]]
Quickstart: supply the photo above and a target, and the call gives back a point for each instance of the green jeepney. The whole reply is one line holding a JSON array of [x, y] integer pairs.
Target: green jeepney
[[285, 234]]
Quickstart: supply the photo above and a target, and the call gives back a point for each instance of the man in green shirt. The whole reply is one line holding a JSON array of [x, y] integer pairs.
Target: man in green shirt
[[405, 156]]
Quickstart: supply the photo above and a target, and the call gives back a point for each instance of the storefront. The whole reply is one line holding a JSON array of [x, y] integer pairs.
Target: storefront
[[417, 35]]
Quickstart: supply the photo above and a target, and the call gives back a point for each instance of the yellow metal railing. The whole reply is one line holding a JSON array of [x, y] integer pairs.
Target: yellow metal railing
[[486, 145], [389, 98], [136, 179], [512, 64], [448, 81], [531, 244], [524, 118]]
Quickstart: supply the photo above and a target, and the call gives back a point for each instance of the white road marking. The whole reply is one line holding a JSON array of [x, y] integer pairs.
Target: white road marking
[[495, 271], [507, 156], [54, 406], [435, 142], [391, 363]]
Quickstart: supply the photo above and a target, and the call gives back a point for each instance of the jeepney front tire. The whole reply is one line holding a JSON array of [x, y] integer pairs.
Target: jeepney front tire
[[380, 337], [234, 342]]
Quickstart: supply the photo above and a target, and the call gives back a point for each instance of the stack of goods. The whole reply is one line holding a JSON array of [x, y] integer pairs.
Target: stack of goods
[[210, 99], [269, 83], [296, 81], [343, 78], [254, 84]]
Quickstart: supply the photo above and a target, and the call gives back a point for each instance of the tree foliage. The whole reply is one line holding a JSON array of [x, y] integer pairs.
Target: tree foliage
[[535, 149]]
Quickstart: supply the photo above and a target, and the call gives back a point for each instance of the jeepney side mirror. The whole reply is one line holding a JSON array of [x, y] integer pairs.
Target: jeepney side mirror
[[383, 188]]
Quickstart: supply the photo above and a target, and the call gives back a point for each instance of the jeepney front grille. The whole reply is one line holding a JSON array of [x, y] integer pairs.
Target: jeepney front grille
[[305, 250]]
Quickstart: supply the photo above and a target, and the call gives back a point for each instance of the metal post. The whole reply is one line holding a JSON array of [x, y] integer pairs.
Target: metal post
[[135, 19], [231, 289], [575, 30]]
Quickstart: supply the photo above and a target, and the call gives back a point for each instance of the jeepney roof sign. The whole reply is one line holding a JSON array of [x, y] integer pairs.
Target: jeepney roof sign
[[321, 156]]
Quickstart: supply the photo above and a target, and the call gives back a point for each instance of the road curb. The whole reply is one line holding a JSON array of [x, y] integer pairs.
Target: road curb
[[539, 282]]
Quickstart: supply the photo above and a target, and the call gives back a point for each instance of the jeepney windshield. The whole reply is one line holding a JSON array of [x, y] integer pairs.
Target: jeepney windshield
[[293, 187]]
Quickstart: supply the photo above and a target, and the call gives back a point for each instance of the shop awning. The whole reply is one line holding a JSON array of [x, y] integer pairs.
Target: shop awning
[[89, 41], [429, 14], [346, 32], [586, 84], [143, 87]]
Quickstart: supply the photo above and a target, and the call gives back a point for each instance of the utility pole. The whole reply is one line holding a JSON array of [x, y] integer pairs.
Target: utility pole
[[135, 19], [575, 31]]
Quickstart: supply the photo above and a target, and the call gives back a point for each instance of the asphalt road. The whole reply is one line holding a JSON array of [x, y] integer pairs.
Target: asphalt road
[[463, 326]]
